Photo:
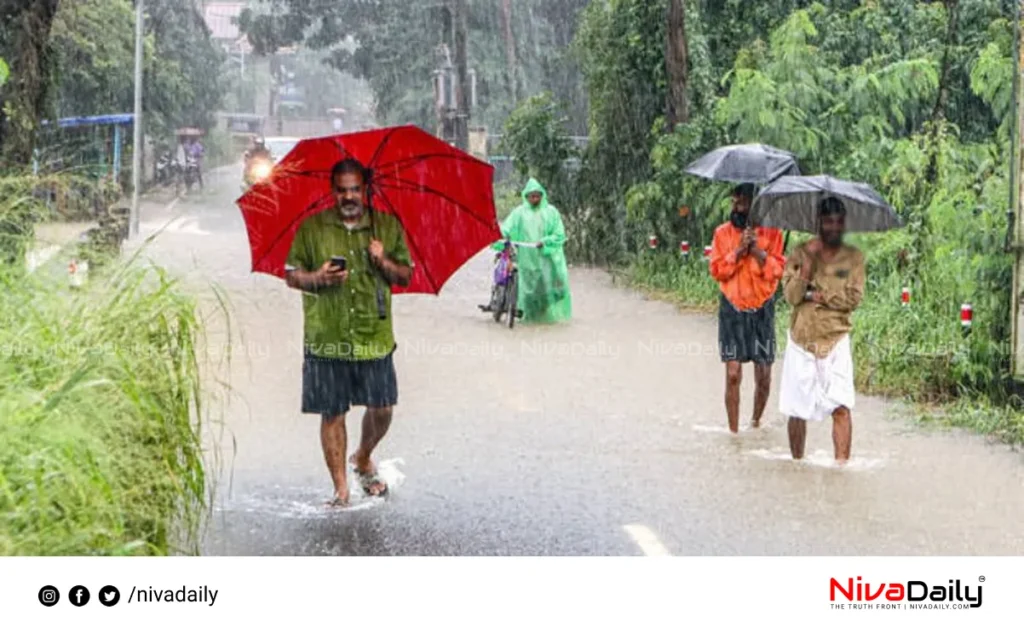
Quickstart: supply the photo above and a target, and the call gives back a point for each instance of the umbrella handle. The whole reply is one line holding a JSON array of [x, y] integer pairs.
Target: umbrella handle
[[382, 310]]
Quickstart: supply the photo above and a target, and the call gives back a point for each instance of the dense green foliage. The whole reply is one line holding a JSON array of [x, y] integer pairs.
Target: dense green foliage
[[95, 44], [89, 68], [534, 137]]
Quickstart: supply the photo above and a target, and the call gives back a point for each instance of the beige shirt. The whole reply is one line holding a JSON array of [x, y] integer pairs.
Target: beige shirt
[[818, 327]]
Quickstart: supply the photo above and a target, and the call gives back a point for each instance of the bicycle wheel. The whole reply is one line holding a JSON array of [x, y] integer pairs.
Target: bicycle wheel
[[512, 298], [498, 303]]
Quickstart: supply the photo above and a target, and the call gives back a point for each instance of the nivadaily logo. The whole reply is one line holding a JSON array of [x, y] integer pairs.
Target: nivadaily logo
[[914, 594]]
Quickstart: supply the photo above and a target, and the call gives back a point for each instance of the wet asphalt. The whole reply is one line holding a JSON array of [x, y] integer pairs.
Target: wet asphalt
[[605, 436]]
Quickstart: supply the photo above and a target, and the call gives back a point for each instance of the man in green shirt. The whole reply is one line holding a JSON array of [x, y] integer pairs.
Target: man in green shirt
[[349, 341]]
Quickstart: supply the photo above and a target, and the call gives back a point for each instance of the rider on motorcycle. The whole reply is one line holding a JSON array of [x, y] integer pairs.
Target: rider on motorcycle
[[194, 159], [543, 273], [258, 150]]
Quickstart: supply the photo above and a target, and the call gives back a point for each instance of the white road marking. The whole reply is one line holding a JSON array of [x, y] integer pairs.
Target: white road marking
[[648, 542]]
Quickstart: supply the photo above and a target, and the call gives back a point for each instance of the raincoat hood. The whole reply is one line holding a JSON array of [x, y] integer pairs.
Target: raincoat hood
[[532, 186]]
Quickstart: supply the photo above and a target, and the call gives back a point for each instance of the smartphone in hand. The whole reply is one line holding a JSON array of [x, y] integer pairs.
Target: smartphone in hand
[[340, 262]]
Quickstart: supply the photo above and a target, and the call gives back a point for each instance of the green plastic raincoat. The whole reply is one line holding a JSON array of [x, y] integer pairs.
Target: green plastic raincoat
[[544, 295]]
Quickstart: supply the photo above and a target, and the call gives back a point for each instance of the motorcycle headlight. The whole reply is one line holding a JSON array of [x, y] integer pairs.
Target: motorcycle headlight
[[261, 170]]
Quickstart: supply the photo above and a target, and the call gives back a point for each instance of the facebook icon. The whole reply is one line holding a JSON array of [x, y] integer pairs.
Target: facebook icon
[[79, 596]]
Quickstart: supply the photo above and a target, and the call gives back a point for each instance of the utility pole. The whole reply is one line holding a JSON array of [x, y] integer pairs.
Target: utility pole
[[137, 122], [459, 19], [1016, 222]]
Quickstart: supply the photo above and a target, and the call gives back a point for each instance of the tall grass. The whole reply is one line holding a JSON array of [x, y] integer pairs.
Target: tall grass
[[100, 413]]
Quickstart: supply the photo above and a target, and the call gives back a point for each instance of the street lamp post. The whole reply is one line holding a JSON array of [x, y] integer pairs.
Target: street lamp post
[[137, 121]]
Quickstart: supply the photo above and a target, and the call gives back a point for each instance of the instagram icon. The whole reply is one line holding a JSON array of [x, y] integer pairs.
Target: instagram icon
[[49, 596]]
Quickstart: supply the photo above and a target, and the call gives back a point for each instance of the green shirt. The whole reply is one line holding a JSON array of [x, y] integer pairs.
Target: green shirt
[[343, 321]]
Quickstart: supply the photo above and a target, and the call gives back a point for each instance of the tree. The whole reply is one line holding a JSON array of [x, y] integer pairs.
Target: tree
[[26, 45], [621, 51], [184, 77], [677, 65], [93, 42]]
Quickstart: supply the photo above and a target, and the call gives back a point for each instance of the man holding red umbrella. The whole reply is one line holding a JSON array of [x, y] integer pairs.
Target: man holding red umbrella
[[350, 220], [338, 258]]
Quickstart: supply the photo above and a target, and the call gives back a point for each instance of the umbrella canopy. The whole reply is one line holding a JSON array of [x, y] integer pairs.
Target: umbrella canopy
[[754, 163], [443, 197], [791, 203]]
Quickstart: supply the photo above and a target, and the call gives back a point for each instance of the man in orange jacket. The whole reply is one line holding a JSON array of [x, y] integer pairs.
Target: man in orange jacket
[[748, 264]]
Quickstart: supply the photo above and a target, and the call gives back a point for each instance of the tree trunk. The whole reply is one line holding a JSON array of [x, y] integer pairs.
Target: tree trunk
[[939, 112], [952, 26], [29, 86], [510, 51], [677, 65], [462, 72]]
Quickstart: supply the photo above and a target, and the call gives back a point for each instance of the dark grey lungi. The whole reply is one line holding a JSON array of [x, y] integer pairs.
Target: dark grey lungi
[[746, 336]]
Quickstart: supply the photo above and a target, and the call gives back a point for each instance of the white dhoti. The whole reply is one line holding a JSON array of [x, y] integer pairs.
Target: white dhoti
[[812, 388]]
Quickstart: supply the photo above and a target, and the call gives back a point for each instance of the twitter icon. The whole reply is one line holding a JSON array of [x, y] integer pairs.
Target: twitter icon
[[109, 596]]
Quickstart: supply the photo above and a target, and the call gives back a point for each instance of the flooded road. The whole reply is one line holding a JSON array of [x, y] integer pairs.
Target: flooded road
[[602, 437]]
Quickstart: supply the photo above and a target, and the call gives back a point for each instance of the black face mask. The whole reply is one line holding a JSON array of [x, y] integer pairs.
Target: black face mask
[[739, 220], [833, 242]]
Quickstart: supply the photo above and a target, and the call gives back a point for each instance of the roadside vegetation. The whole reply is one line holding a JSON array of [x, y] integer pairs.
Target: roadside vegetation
[[100, 404]]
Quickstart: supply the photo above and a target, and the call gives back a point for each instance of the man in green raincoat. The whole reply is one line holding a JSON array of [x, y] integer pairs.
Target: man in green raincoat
[[544, 295]]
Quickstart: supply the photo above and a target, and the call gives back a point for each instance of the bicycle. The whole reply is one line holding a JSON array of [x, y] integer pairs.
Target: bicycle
[[505, 291]]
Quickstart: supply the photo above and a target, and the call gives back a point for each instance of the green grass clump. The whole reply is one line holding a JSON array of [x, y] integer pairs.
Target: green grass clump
[[100, 448]]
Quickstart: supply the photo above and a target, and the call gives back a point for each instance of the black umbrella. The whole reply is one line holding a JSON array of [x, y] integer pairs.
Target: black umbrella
[[754, 163], [791, 203]]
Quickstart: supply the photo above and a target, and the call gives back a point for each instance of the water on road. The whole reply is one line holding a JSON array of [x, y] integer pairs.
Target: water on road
[[605, 436]]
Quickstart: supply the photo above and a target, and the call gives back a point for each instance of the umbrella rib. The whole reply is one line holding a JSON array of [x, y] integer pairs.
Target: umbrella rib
[[380, 148], [412, 243], [411, 186], [344, 152], [401, 163], [281, 235]]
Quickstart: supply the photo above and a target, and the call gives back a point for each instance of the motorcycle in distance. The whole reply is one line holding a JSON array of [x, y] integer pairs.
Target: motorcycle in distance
[[163, 168], [168, 171], [191, 173]]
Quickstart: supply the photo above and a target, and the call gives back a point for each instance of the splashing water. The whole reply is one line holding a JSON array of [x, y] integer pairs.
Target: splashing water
[[820, 459], [724, 430], [308, 503]]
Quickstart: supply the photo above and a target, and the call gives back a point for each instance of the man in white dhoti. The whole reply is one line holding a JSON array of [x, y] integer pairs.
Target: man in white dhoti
[[824, 282]]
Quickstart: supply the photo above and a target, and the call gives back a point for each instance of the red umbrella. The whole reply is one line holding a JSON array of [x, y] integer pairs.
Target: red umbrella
[[443, 197]]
